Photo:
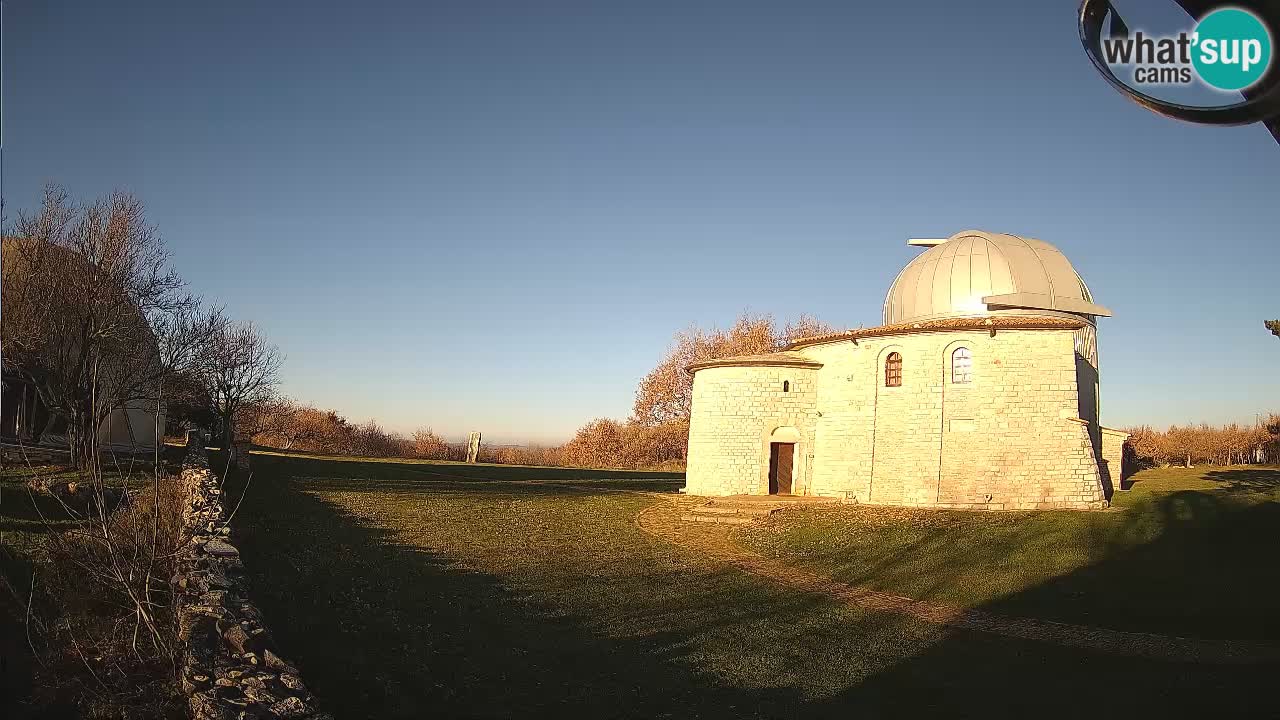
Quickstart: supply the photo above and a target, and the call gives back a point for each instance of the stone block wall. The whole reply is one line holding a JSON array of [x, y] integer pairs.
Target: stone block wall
[[1005, 440], [735, 412], [1009, 439], [1113, 457], [230, 670]]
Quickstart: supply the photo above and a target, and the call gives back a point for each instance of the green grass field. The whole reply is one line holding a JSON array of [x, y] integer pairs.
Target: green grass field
[[1187, 552], [407, 589]]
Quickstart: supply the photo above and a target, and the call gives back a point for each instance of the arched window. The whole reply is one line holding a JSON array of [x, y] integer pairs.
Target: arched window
[[893, 370], [961, 365], [786, 386]]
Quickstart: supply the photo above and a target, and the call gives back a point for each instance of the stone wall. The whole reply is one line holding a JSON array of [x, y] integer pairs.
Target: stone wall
[[229, 668], [736, 410], [1007, 440], [1113, 457]]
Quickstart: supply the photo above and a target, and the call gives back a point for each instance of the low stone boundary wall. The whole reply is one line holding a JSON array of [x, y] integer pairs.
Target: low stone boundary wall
[[229, 670]]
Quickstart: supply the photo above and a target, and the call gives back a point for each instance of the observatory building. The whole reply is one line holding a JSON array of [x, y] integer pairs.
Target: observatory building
[[979, 391]]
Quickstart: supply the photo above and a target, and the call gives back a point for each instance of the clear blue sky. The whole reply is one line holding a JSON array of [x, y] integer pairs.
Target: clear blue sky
[[494, 215]]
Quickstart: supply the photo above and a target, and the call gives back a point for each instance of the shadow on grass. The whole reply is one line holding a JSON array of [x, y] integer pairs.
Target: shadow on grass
[[1240, 478], [394, 469], [15, 655], [383, 629], [1210, 572], [1247, 479]]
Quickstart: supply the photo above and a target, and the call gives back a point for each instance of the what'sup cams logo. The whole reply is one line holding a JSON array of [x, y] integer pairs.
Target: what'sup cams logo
[[1227, 53], [1229, 49]]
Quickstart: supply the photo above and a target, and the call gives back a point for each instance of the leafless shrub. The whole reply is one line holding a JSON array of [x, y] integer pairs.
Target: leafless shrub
[[238, 370], [429, 446], [605, 443], [99, 617], [288, 425]]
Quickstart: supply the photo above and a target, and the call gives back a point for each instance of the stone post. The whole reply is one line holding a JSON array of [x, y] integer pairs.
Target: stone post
[[196, 439], [240, 453]]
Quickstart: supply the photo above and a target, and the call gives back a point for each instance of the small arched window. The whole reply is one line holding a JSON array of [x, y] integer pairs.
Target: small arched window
[[786, 386], [893, 370], [961, 365]]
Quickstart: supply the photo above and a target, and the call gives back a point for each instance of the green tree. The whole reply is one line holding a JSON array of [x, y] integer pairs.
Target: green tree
[[1273, 326]]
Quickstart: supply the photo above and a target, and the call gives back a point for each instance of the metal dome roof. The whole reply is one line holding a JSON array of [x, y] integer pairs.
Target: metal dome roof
[[975, 273]]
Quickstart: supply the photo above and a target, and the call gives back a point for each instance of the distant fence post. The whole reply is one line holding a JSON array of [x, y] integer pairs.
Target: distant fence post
[[473, 446]]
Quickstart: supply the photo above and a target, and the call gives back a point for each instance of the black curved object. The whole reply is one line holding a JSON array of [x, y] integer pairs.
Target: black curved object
[[1261, 103]]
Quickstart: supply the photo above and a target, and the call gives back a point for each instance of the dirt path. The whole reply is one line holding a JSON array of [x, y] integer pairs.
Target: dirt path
[[662, 520]]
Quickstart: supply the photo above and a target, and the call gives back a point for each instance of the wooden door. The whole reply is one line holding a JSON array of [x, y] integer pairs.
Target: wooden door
[[781, 461]]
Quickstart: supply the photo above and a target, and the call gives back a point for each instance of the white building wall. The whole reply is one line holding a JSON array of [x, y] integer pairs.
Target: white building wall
[[1008, 439]]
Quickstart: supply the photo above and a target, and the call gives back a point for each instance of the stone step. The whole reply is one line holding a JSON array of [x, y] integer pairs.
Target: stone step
[[732, 510], [776, 500], [756, 511], [721, 519]]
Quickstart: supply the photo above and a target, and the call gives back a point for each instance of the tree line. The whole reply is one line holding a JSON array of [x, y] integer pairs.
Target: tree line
[[1204, 444], [655, 436]]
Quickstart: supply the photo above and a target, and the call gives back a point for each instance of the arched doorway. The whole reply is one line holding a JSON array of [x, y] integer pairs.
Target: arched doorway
[[782, 460]]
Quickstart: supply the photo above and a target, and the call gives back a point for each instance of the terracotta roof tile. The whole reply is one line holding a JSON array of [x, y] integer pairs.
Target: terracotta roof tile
[[778, 359], [993, 322]]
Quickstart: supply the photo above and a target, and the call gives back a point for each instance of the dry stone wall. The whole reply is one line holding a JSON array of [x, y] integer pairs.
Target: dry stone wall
[[230, 670]]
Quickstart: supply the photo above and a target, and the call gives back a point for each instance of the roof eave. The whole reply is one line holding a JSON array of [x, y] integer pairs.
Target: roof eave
[[753, 362], [960, 324], [1037, 301]]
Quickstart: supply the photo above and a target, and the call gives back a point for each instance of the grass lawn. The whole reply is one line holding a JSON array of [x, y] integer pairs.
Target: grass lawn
[[403, 590], [1188, 552], [27, 517]]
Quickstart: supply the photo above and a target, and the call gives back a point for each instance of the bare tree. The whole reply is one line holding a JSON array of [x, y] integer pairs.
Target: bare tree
[[666, 393], [94, 317], [239, 370]]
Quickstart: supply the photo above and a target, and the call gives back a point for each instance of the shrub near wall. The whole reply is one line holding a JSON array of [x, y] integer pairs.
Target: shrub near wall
[[607, 443]]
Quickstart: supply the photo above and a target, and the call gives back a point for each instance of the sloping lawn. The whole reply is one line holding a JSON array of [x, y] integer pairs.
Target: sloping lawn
[[1189, 552], [402, 594]]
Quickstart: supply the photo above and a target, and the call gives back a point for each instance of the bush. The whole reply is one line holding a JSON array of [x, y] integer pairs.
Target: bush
[[101, 622], [605, 443]]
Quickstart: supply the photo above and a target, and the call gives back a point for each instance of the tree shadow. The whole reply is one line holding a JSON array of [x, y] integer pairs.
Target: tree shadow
[[381, 629], [385, 629], [1246, 479], [15, 655], [1210, 575], [395, 469]]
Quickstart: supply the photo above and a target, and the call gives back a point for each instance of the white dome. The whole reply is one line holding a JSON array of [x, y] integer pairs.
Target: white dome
[[975, 273]]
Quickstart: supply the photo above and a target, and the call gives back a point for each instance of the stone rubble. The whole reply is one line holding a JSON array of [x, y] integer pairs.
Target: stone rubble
[[229, 670]]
